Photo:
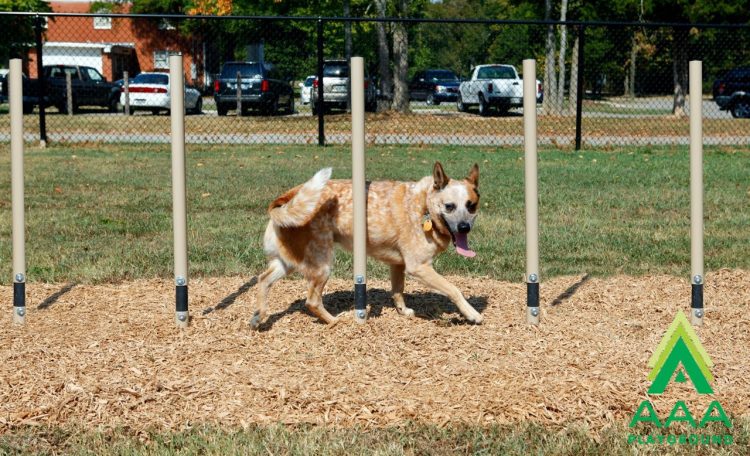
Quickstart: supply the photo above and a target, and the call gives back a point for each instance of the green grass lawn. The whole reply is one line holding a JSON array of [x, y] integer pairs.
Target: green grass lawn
[[410, 439], [103, 213]]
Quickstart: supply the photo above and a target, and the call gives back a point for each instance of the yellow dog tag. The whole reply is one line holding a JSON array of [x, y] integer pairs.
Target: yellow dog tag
[[427, 225]]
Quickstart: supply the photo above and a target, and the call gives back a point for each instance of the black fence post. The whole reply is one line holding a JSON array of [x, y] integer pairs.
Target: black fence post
[[42, 83], [579, 83], [319, 104]]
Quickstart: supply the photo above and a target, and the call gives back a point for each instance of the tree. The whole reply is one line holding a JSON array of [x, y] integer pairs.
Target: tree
[[560, 102], [401, 60], [573, 98], [347, 30], [690, 11], [550, 89], [18, 31], [385, 77]]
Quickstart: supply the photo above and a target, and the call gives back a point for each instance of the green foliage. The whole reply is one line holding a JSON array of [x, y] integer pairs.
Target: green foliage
[[18, 32], [160, 6]]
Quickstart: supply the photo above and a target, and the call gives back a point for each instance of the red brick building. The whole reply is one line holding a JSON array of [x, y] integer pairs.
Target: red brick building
[[117, 44]]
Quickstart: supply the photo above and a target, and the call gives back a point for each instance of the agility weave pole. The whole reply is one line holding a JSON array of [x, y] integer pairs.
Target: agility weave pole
[[696, 192], [531, 191], [179, 200], [17, 193], [359, 194]]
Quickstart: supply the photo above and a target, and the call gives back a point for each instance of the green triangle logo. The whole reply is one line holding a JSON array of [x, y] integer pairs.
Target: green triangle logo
[[680, 348]]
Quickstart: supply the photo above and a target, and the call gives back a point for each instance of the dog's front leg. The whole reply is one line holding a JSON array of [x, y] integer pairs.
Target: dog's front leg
[[428, 276], [397, 290]]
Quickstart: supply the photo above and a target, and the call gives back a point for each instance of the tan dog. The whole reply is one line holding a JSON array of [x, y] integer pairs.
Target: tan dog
[[408, 224]]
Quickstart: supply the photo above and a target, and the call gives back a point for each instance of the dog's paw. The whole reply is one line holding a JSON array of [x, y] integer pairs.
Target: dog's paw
[[336, 320], [406, 312], [255, 321], [476, 319]]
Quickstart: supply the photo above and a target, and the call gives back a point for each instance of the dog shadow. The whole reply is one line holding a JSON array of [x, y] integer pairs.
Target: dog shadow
[[427, 306]]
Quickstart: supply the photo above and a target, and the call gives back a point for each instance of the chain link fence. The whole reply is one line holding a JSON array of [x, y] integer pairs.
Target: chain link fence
[[103, 78]]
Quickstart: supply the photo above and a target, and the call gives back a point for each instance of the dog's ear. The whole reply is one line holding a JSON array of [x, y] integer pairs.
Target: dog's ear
[[439, 176], [473, 177]]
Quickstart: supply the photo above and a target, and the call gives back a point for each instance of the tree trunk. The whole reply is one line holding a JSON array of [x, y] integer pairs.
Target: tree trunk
[[384, 58], [347, 31], [550, 92], [680, 69], [573, 101], [401, 61], [560, 102], [626, 84], [348, 44], [633, 58]]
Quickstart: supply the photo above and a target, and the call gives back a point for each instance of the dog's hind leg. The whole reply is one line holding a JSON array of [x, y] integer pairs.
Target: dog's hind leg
[[397, 290], [315, 286], [276, 270]]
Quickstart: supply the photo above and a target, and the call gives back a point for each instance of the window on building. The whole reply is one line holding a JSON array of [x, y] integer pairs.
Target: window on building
[[161, 60], [102, 23]]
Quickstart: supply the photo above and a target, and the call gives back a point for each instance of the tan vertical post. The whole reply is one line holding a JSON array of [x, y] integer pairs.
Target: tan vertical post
[[69, 93], [239, 94], [359, 196], [696, 191], [126, 91], [17, 197], [179, 199], [531, 191]]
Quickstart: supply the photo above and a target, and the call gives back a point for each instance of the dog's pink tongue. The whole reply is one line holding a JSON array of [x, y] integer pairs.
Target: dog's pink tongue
[[462, 245]]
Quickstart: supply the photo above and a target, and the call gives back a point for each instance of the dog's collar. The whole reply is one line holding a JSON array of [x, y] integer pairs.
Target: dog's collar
[[439, 226]]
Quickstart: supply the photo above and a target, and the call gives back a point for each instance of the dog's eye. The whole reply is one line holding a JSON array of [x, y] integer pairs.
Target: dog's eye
[[450, 207], [471, 206]]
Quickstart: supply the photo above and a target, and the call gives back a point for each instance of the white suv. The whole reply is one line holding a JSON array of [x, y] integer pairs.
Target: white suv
[[336, 88]]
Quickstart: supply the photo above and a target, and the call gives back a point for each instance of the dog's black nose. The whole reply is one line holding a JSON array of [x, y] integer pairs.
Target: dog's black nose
[[464, 227]]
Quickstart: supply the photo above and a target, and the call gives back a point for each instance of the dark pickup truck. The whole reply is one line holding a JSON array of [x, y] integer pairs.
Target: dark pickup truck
[[260, 88], [89, 88]]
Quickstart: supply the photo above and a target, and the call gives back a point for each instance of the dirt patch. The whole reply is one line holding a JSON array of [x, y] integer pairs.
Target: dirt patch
[[110, 355]]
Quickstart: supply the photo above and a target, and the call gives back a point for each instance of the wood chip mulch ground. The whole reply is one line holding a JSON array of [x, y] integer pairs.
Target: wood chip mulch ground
[[110, 355]]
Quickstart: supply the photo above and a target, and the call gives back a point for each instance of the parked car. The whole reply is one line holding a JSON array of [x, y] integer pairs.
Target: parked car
[[539, 91], [88, 87], [151, 92], [732, 92], [305, 89], [336, 88], [491, 86], [261, 88], [3, 90], [434, 86]]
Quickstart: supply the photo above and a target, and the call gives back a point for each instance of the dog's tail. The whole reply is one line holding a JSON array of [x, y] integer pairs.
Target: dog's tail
[[297, 206]]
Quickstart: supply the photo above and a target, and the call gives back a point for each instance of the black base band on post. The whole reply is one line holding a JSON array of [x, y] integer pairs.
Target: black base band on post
[[360, 296], [181, 298], [532, 294], [696, 301], [19, 294]]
